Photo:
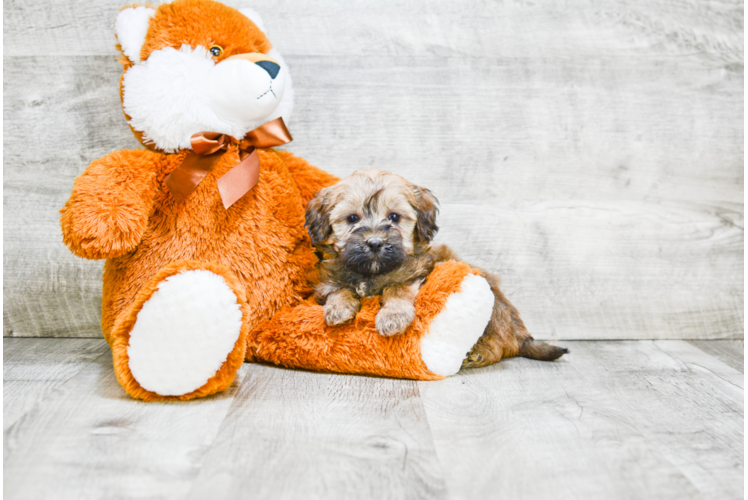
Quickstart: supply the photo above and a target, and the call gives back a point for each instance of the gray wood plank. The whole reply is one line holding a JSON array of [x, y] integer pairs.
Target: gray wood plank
[[577, 268], [591, 156], [730, 352], [33, 368], [485, 129], [615, 270], [611, 420], [88, 439], [402, 27], [695, 360], [294, 434], [74, 105]]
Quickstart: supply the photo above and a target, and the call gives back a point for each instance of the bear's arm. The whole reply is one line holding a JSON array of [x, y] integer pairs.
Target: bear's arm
[[107, 213], [309, 179]]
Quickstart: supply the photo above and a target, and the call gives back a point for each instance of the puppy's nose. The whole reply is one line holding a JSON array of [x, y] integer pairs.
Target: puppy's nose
[[270, 67], [375, 243]]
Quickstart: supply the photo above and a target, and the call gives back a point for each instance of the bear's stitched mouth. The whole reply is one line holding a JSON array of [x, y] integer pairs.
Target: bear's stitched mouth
[[268, 91]]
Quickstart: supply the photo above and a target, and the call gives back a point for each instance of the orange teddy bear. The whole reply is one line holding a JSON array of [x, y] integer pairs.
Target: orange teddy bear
[[208, 262]]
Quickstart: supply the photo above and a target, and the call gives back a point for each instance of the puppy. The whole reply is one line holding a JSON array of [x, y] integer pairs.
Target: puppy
[[372, 232]]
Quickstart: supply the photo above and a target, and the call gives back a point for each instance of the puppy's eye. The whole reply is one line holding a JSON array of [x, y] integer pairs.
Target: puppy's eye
[[216, 50], [353, 218], [394, 218]]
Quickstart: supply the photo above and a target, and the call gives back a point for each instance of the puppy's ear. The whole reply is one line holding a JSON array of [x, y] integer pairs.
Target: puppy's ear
[[318, 217], [427, 207]]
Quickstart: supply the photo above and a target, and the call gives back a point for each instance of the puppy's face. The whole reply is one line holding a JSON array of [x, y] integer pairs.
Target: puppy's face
[[372, 220]]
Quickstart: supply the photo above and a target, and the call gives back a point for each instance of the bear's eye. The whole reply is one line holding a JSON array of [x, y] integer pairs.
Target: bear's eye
[[216, 50], [394, 218], [353, 218]]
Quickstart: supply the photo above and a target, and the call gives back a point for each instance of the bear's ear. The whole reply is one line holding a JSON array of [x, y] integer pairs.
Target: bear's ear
[[254, 17], [131, 27]]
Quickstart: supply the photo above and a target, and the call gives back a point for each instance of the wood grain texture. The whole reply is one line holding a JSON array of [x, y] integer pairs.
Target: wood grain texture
[[629, 420], [72, 105], [730, 352], [89, 439], [33, 368], [621, 270], [402, 27], [591, 156], [299, 434], [611, 420]]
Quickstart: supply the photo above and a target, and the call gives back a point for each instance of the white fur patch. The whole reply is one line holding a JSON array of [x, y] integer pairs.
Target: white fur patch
[[131, 27], [184, 333], [458, 327], [176, 93]]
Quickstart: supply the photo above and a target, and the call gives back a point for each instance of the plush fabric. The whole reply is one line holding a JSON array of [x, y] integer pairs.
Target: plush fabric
[[459, 327], [257, 252], [196, 310], [119, 339], [261, 238], [298, 337]]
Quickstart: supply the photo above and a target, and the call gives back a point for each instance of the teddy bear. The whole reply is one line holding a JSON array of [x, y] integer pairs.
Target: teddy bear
[[208, 263]]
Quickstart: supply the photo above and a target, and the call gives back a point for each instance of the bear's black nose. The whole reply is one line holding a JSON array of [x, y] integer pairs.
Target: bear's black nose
[[270, 67], [375, 243]]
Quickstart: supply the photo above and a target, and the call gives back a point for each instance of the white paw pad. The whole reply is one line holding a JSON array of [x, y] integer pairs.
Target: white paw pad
[[458, 327], [184, 333]]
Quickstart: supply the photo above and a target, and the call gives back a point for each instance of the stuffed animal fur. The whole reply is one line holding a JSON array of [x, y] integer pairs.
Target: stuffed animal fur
[[192, 289]]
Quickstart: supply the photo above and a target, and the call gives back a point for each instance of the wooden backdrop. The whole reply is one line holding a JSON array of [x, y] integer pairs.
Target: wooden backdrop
[[590, 152]]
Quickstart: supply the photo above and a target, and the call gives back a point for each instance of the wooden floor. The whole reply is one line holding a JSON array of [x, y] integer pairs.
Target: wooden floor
[[628, 419]]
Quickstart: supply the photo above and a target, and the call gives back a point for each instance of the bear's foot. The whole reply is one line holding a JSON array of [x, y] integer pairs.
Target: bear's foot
[[456, 329], [185, 337], [184, 333]]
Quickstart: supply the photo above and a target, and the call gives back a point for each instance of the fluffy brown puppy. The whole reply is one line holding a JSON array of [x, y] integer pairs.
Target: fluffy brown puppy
[[372, 232]]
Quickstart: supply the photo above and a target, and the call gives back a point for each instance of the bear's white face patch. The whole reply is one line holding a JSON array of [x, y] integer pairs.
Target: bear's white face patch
[[176, 93]]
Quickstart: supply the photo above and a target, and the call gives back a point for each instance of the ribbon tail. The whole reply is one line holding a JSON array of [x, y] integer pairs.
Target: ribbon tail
[[184, 179], [239, 180]]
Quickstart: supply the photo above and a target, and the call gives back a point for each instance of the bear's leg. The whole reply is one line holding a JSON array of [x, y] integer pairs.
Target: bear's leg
[[452, 310], [184, 335], [458, 326]]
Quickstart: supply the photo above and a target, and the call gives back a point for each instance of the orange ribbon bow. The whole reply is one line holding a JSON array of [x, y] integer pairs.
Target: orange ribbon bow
[[208, 147]]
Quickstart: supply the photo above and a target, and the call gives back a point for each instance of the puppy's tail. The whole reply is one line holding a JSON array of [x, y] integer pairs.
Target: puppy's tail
[[533, 349]]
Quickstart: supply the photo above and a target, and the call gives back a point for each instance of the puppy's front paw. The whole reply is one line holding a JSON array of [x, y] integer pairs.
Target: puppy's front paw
[[338, 314], [395, 320]]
